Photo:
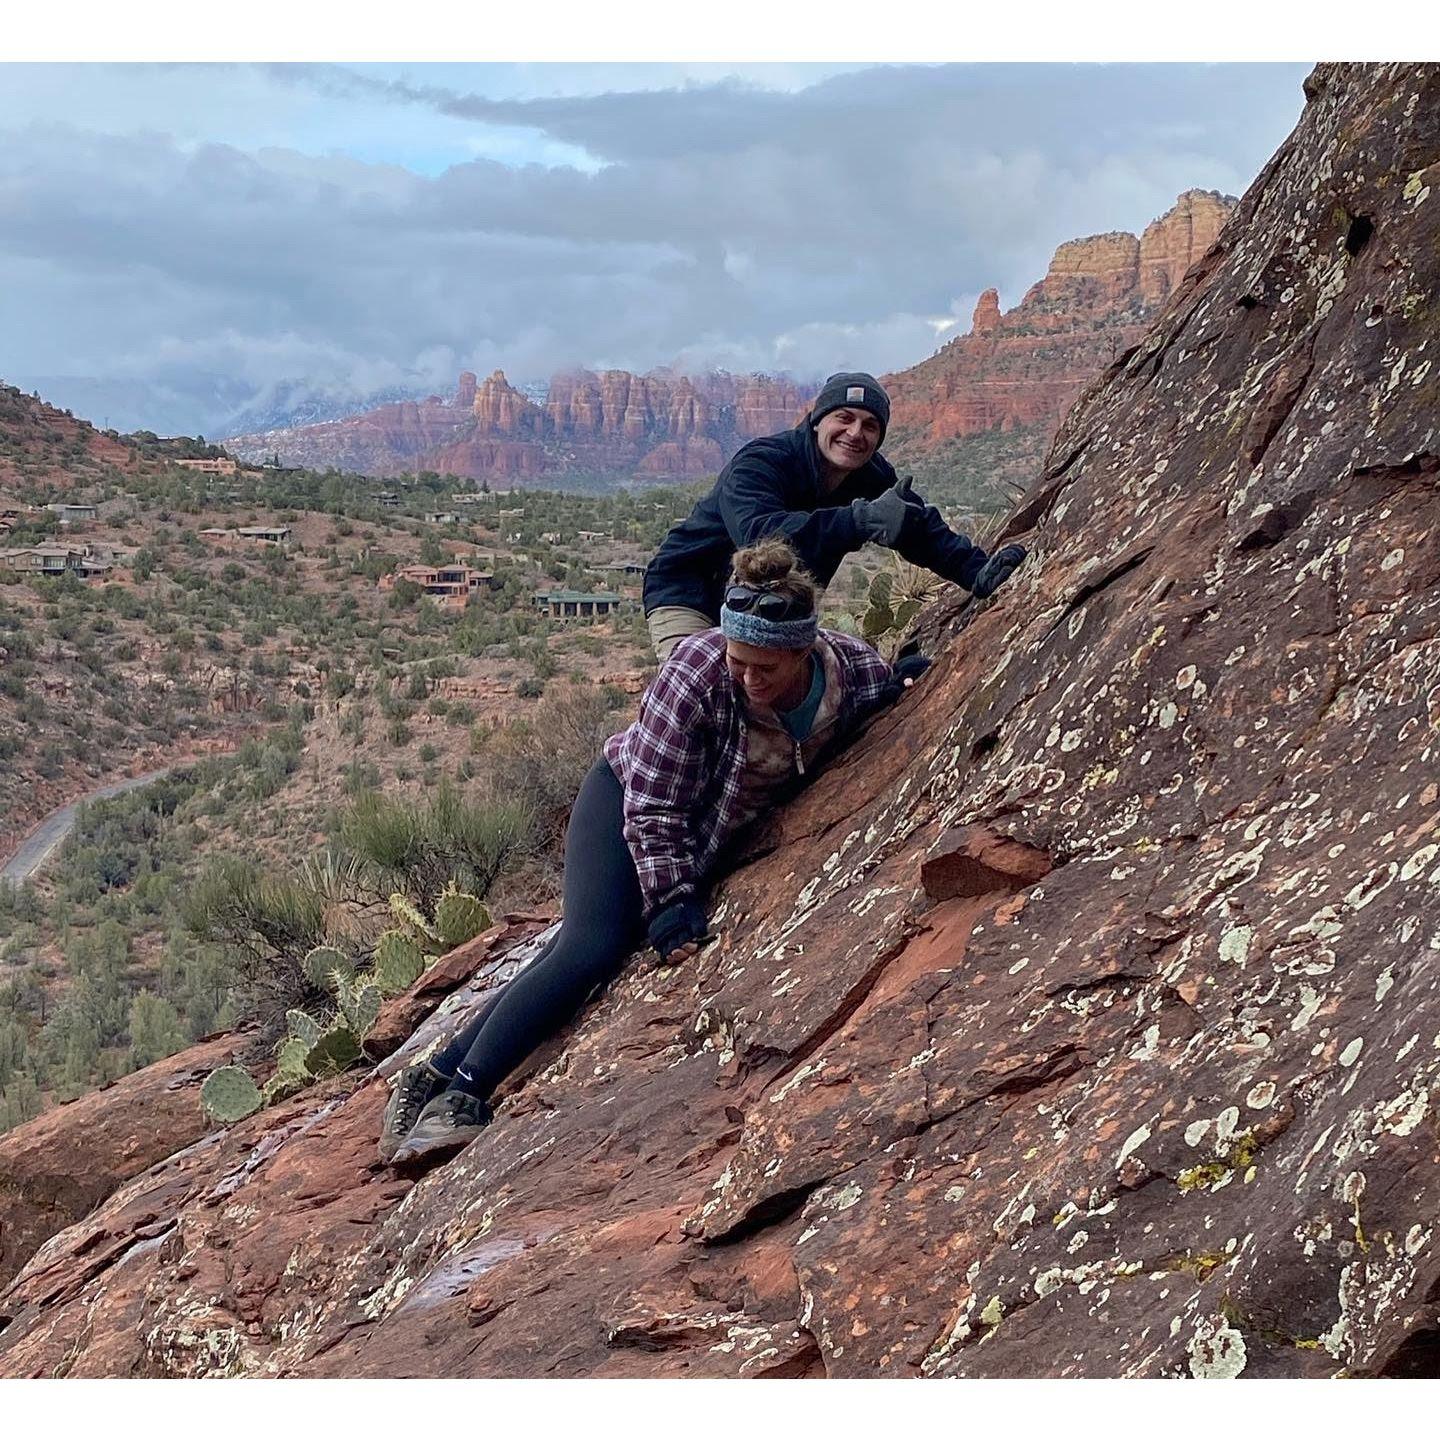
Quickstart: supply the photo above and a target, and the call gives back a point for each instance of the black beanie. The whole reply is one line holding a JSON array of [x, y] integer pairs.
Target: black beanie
[[856, 390]]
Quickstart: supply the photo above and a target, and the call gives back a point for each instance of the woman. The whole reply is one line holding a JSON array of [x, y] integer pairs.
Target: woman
[[735, 716]]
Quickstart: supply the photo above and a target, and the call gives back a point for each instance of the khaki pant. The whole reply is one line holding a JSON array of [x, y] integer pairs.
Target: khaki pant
[[670, 624]]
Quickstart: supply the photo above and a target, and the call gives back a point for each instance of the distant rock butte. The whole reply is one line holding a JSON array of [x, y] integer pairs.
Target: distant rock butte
[[1026, 366], [1078, 1021], [610, 422]]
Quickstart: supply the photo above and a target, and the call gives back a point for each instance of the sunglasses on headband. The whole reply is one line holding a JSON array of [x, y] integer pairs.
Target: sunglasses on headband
[[765, 603]]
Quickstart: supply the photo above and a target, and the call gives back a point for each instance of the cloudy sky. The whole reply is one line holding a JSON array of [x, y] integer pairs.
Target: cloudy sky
[[180, 240]]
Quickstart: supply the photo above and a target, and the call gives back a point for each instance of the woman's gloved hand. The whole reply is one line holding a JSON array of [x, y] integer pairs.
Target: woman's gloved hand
[[909, 668], [677, 925], [997, 570], [903, 674]]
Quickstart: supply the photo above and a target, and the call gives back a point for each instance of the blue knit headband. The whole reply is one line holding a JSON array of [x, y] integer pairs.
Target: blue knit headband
[[752, 629]]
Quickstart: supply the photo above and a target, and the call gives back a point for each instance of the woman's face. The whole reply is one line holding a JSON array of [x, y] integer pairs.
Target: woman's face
[[768, 676]]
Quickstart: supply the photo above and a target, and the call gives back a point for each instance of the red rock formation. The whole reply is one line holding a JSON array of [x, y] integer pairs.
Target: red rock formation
[[987, 313], [681, 459], [1173, 243], [1025, 367], [489, 459], [1076, 1022], [658, 425], [501, 410], [56, 1168]]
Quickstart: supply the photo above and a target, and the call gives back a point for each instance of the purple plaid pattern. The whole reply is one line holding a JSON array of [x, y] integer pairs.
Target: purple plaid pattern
[[682, 761]]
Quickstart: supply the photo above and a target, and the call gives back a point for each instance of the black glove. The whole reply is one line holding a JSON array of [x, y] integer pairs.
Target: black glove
[[904, 673], [910, 668], [997, 570], [675, 925], [883, 519]]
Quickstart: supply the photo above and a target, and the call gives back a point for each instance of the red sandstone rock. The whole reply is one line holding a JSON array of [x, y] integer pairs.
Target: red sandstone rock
[[501, 410], [1026, 366], [660, 425], [974, 860], [1164, 1110], [987, 313], [57, 1167]]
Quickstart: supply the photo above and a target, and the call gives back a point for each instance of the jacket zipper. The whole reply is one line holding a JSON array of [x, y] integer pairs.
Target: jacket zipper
[[799, 758]]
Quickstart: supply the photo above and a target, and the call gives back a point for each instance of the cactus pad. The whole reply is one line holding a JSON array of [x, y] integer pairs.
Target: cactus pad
[[282, 1084], [229, 1094], [459, 917], [409, 918], [290, 1058], [399, 963], [336, 1050], [323, 963], [303, 1026], [360, 1006]]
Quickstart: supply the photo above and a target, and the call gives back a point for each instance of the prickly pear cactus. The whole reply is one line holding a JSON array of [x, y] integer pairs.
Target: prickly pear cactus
[[302, 1026], [282, 1084], [895, 598], [399, 963], [229, 1094], [324, 963], [290, 1058], [409, 918], [459, 917], [878, 617], [337, 1050], [360, 1006]]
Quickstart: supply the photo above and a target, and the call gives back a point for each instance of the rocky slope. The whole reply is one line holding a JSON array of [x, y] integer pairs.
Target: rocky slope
[[613, 423], [1081, 1020], [41, 445]]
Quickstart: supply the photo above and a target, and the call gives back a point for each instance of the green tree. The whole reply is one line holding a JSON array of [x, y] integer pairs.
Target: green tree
[[155, 1029], [19, 1102], [14, 1050]]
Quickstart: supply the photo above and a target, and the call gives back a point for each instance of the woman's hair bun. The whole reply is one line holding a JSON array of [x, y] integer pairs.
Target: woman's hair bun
[[772, 565]]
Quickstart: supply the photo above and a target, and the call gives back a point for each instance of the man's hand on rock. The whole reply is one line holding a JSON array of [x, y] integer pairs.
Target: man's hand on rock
[[997, 570]]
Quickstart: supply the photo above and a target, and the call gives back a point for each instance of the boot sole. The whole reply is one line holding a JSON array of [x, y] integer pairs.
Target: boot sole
[[425, 1152]]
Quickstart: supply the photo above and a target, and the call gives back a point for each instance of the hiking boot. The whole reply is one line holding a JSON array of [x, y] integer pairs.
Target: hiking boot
[[446, 1125], [414, 1088]]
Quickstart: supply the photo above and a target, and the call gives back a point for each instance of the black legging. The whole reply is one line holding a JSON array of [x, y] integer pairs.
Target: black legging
[[601, 926]]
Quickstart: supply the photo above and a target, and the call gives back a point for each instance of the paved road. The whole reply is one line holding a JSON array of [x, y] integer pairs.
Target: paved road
[[44, 840]]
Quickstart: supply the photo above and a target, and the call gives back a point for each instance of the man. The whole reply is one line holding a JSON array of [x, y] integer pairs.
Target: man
[[826, 488]]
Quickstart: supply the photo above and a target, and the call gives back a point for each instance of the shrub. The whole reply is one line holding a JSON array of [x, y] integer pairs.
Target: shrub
[[543, 759], [420, 848], [269, 924]]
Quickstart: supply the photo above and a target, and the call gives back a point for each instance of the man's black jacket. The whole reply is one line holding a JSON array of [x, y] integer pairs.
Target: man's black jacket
[[773, 486]]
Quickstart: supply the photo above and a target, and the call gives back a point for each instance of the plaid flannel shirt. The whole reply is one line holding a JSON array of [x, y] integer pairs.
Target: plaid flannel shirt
[[682, 761]]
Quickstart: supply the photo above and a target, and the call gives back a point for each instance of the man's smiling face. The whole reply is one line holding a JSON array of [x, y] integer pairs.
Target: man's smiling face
[[847, 437]]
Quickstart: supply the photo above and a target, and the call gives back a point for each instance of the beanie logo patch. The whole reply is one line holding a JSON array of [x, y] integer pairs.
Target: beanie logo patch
[[854, 393]]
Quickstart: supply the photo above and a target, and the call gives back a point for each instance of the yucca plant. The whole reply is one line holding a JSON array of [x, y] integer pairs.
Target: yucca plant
[[896, 596]]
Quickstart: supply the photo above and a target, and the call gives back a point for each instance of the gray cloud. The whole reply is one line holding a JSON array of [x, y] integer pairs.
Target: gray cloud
[[832, 226]]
